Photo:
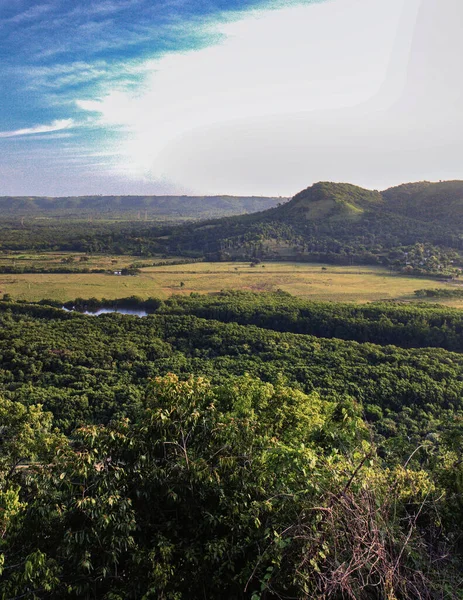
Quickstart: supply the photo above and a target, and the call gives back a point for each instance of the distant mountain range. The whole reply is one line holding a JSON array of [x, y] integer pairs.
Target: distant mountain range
[[133, 208]]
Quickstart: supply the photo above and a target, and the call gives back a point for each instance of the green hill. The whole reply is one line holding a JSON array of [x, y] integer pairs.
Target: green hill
[[331, 201], [439, 203], [343, 223]]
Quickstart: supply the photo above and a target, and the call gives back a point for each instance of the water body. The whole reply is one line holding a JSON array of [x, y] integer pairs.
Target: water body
[[104, 311]]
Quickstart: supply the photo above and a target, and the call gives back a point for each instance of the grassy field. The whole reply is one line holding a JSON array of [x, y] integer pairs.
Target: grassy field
[[345, 284], [57, 259]]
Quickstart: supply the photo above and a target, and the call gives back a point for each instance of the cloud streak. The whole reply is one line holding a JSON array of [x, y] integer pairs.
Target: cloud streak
[[28, 15], [57, 125]]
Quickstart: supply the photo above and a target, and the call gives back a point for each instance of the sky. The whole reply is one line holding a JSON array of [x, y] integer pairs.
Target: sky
[[243, 97]]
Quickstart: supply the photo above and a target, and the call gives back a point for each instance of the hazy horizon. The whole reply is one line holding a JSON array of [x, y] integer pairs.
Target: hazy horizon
[[213, 195]]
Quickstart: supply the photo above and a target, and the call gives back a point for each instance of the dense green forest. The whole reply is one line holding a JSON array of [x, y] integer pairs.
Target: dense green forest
[[404, 325], [81, 236], [231, 446]]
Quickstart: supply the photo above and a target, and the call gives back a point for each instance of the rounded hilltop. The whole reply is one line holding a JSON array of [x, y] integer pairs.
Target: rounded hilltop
[[330, 200]]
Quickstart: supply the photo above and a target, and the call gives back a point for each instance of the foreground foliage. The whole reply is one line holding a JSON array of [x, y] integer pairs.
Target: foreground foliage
[[245, 490], [288, 466]]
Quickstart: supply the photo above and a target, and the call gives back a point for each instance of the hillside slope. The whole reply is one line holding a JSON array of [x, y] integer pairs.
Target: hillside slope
[[333, 201], [440, 203], [340, 222]]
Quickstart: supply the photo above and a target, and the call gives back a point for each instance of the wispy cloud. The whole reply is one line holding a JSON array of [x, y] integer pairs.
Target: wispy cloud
[[81, 73], [57, 125], [103, 8], [29, 15]]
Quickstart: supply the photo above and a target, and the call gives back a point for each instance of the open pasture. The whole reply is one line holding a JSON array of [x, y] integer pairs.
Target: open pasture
[[316, 281], [76, 260]]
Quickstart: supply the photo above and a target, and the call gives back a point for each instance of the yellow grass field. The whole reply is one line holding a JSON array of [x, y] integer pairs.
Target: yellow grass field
[[315, 281], [56, 259]]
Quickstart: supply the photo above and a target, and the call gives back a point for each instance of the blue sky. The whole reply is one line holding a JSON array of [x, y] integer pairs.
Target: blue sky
[[236, 96], [51, 50]]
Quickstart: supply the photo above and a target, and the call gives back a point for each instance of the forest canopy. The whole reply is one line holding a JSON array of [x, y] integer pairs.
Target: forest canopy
[[208, 451]]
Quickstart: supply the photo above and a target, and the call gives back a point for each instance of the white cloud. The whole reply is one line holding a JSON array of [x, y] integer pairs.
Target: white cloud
[[57, 125], [299, 59], [355, 90]]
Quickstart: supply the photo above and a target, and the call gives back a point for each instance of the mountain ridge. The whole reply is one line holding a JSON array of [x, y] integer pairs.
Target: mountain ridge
[[131, 207]]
